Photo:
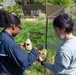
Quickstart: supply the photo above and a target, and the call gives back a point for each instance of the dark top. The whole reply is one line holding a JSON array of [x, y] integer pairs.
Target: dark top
[[14, 60]]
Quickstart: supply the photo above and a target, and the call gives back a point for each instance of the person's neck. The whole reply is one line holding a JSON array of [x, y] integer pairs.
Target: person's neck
[[9, 31], [68, 35]]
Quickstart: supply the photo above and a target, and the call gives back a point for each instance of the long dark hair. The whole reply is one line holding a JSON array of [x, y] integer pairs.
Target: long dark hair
[[7, 19]]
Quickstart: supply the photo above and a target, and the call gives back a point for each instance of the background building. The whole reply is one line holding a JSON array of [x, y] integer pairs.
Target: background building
[[8, 3]]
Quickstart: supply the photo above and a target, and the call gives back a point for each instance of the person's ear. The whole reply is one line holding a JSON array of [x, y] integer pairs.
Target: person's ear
[[63, 29], [13, 27]]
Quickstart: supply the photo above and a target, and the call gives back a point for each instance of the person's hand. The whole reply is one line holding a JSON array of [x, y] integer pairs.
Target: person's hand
[[39, 59], [39, 46], [22, 44], [43, 62]]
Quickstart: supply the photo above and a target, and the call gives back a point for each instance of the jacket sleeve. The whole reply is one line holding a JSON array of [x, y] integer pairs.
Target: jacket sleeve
[[20, 57], [62, 61]]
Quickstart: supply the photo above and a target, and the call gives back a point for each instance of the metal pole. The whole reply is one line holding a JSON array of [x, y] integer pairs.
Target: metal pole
[[46, 32], [46, 41], [46, 23]]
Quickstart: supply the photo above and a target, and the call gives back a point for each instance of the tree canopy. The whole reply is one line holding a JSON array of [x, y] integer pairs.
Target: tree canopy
[[2, 0], [62, 2], [37, 1]]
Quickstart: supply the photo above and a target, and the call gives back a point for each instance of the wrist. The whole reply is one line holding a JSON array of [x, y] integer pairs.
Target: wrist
[[42, 62], [36, 48]]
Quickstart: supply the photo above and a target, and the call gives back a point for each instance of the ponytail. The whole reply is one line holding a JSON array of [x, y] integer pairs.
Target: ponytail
[[4, 18], [7, 19]]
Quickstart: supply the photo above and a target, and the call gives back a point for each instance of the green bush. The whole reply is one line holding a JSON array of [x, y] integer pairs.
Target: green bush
[[62, 2], [37, 1], [16, 8]]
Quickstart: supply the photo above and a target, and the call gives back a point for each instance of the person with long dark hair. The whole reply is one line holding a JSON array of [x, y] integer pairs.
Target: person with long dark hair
[[13, 60]]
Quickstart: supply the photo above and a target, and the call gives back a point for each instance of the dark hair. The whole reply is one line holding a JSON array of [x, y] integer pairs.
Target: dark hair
[[64, 20], [7, 19]]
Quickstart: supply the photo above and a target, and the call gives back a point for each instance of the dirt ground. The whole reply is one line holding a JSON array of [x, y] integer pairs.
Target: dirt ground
[[31, 19]]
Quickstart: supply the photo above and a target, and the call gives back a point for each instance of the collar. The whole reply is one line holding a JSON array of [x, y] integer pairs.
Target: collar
[[69, 38], [8, 34]]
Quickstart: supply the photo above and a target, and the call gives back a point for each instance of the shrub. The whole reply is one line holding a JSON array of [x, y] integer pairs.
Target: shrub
[[62, 2]]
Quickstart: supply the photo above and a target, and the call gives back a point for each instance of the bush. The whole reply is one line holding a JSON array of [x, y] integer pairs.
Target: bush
[[62, 2], [16, 8]]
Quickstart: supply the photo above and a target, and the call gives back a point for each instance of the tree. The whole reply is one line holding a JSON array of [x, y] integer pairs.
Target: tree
[[75, 1], [18, 2], [62, 2], [14, 9], [37, 1], [2, 0]]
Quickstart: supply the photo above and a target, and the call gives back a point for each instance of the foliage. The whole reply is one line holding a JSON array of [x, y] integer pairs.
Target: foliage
[[62, 2], [37, 1], [74, 1], [36, 30], [49, 1], [2, 0], [18, 2], [16, 8]]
